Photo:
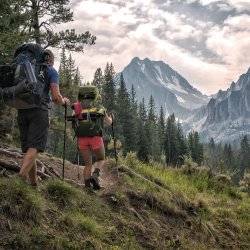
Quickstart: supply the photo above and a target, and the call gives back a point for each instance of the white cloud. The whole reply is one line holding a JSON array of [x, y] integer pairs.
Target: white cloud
[[126, 29], [232, 43]]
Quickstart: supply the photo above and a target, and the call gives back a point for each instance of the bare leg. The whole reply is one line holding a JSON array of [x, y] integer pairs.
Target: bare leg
[[87, 158], [33, 175], [28, 162], [100, 156]]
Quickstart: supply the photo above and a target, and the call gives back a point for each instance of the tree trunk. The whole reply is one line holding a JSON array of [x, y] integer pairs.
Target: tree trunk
[[35, 23]]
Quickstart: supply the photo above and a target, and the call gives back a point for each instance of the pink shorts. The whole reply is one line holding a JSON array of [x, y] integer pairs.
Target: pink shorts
[[93, 143]]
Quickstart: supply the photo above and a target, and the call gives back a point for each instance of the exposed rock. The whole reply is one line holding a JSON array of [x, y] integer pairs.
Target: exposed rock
[[227, 115], [169, 89]]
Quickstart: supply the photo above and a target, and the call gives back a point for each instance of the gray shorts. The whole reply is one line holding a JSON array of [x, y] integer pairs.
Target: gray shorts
[[33, 126]]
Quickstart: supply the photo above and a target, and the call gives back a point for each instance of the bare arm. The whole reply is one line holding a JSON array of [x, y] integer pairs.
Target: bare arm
[[57, 98]]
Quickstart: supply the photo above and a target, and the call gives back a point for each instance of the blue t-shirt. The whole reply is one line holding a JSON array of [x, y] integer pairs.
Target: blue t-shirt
[[53, 75], [52, 79]]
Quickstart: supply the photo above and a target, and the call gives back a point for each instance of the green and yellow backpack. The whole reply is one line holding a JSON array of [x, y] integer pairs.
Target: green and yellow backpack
[[88, 113]]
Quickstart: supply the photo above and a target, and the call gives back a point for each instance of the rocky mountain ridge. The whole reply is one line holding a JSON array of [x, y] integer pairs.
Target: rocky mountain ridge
[[169, 89], [227, 115]]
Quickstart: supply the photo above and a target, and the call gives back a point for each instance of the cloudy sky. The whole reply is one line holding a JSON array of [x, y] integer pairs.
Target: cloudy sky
[[206, 41]]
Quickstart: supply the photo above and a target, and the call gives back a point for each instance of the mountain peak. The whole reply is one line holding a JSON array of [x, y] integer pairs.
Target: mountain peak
[[146, 59], [135, 59], [169, 88], [248, 72]]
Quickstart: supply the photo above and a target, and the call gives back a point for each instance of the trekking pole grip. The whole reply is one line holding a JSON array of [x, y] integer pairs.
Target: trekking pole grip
[[64, 138]]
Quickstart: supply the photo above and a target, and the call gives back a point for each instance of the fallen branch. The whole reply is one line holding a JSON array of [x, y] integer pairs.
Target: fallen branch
[[9, 153], [13, 166], [74, 183], [54, 171]]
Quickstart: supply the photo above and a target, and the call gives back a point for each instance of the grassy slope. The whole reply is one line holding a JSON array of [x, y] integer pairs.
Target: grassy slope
[[191, 210]]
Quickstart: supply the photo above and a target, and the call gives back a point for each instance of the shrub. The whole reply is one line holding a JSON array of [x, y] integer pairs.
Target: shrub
[[245, 183]]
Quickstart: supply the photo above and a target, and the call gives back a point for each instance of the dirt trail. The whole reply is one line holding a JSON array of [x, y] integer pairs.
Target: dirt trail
[[108, 178]]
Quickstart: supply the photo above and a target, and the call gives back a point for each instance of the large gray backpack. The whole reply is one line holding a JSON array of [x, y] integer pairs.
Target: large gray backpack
[[23, 82]]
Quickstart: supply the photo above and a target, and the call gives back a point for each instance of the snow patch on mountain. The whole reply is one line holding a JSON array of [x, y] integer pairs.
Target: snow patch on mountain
[[180, 99]]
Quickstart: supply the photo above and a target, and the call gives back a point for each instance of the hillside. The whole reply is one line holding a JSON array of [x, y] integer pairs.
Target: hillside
[[148, 207]]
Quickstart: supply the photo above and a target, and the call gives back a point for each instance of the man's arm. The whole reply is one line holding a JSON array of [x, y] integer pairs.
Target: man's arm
[[57, 98]]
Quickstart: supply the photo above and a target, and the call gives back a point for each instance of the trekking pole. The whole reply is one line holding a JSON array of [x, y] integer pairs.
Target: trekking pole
[[114, 139], [64, 138], [78, 164]]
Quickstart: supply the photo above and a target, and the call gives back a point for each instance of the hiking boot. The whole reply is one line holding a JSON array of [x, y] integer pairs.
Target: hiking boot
[[87, 183], [95, 179], [95, 183]]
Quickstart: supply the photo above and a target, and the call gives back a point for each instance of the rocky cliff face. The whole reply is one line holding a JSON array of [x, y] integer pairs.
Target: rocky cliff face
[[169, 89], [227, 116]]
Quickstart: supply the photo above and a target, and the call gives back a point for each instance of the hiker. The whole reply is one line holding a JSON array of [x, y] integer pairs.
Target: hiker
[[90, 117], [33, 122]]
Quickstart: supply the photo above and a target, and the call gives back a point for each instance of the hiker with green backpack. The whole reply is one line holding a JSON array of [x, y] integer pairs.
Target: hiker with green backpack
[[25, 84], [89, 118]]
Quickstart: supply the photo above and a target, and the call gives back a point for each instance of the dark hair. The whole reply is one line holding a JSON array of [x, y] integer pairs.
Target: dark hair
[[48, 56]]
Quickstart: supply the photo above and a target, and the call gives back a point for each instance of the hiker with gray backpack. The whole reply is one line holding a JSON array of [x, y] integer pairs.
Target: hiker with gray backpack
[[88, 120], [25, 85]]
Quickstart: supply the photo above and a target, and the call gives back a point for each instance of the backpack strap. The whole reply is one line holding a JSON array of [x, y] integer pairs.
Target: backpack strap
[[78, 110]]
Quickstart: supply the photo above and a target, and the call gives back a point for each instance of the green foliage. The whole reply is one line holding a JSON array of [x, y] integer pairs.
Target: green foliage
[[98, 79], [12, 16], [195, 147], [143, 143], [70, 78], [29, 20], [152, 131], [175, 144], [124, 125], [108, 89], [244, 155]]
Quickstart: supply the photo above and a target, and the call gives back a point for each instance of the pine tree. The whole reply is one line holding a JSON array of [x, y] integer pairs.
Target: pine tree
[[124, 115], [34, 20], [244, 156], [77, 82], [109, 91], [12, 18], [211, 146], [152, 131], [133, 97], [171, 143], [228, 157], [70, 69], [161, 129], [63, 67], [67, 74], [211, 158], [195, 147], [98, 78], [182, 145], [143, 152], [198, 149], [134, 119], [151, 110]]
